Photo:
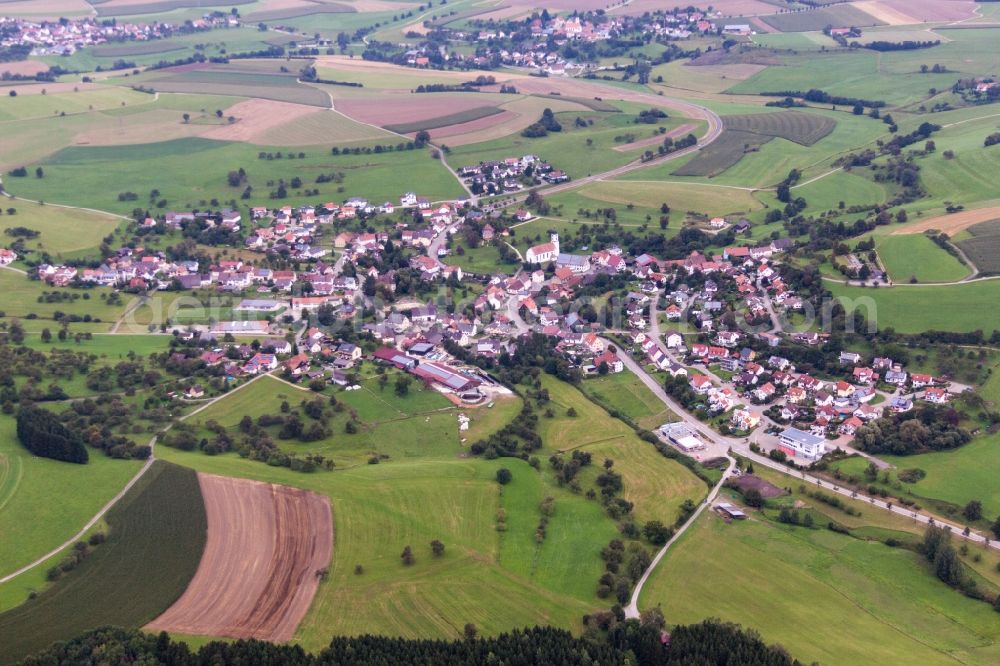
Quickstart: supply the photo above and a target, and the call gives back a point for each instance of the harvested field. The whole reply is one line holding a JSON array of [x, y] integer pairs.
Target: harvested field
[[722, 153], [745, 482], [802, 128], [953, 223], [657, 139], [146, 127], [886, 13], [817, 19], [255, 117], [591, 103], [983, 249], [333, 127], [23, 67], [930, 10], [467, 116], [257, 576]]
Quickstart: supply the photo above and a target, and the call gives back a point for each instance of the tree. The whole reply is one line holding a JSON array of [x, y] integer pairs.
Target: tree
[[753, 498], [995, 528], [653, 617], [46, 335], [13, 93], [973, 510], [656, 532], [42, 433], [469, 631], [437, 548], [504, 476], [403, 385], [422, 138], [187, 118], [407, 556], [218, 113], [39, 172]]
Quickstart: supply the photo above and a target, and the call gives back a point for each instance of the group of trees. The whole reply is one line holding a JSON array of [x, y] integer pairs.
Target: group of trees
[[928, 428], [617, 643], [547, 123], [42, 433]]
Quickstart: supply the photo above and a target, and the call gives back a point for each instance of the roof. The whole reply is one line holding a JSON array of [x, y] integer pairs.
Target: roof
[[801, 437]]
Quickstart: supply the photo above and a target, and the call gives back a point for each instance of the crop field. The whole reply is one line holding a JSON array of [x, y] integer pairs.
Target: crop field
[[885, 598], [133, 7], [983, 249], [802, 128], [89, 97], [302, 10], [444, 121], [80, 175], [257, 576], [722, 153], [137, 49], [916, 255], [244, 78], [158, 528], [817, 19], [921, 308]]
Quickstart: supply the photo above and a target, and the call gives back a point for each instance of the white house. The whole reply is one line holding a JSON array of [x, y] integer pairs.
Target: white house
[[801, 443]]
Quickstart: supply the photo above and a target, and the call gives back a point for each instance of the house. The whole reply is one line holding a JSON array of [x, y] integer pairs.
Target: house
[[297, 365], [745, 419], [849, 358], [790, 412], [7, 256], [194, 391], [701, 384], [864, 376], [920, 380], [673, 339], [937, 396], [850, 426], [800, 443], [611, 358]]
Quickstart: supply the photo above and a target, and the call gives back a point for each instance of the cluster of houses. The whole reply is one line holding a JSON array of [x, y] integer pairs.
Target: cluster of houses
[[66, 36], [510, 174]]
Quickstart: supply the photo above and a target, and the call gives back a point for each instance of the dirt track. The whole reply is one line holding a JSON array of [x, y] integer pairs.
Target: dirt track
[[257, 575], [953, 223]]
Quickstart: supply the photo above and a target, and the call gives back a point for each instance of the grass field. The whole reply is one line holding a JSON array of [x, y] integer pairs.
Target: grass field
[[680, 196], [914, 309], [90, 97], [21, 300], [156, 536], [64, 233], [484, 259], [191, 171], [722, 153], [626, 393], [44, 502], [983, 248], [917, 256], [851, 188], [495, 580], [780, 579]]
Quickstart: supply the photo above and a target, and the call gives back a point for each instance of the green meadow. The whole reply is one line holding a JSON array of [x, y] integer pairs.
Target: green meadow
[[917, 256]]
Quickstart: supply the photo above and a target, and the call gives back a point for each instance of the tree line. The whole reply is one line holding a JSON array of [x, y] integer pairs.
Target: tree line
[[42, 433]]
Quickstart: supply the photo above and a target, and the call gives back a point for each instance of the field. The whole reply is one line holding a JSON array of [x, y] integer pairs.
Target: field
[[817, 19], [917, 256], [249, 78], [134, 7], [63, 232], [88, 97], [681, 197], [722, 153], [983, 248], [303, 10], [954, 223], [779, 579], [21, 299], [257, 576], [190, 171], [497, 580], [156, 535], [827, 192], [914, 309], [483, 260], [627, 394], [802, 128], [444, 121]]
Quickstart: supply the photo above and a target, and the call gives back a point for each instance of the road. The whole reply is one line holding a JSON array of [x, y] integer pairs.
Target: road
[[114, 500]]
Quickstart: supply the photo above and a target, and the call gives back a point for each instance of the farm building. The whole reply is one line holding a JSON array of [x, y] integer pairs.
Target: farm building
[[730, 511], [445, 376]]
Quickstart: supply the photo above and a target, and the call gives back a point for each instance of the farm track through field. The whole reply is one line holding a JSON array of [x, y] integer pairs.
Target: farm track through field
[[114, 500]]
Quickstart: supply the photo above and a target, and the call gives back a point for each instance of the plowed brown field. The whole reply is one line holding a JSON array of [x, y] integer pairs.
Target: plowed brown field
[[257, 575]]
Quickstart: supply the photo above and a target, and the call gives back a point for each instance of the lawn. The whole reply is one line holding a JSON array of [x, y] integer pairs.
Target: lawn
[[780, 580], [917, 256], [64, 233], [483, 260], [627, 394], [189, 173], [159, 528], [43, 502], [908, 309]]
